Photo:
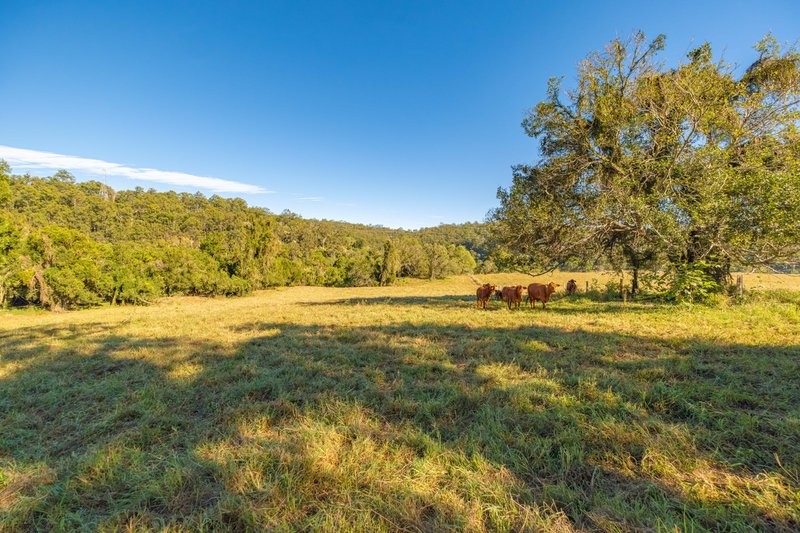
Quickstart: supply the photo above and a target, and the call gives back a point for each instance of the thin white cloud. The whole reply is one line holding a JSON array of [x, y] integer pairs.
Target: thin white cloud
[[20, 158], [307, 198]]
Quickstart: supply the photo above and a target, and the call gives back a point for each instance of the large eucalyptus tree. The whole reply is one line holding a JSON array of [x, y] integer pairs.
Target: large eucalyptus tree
[[695, 165]]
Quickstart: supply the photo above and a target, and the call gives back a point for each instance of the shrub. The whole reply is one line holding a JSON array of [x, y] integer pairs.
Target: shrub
[[691, 284]]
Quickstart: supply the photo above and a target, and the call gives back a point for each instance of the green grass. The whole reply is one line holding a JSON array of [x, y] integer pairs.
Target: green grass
[[401, 408]]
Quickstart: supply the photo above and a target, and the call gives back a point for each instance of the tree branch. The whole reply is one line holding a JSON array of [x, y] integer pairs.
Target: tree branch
[[542, 273]]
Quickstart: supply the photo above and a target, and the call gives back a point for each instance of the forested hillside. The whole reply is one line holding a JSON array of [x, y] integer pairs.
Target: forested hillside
[[65, 243]]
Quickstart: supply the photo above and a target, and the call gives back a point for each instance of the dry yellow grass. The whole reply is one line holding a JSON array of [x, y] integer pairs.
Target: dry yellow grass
[[402, 408], [752, 281]]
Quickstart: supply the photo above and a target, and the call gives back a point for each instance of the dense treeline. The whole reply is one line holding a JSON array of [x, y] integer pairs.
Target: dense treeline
[[65, 244]]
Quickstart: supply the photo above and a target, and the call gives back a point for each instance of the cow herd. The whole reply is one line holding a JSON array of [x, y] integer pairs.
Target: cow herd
[[512, 296]]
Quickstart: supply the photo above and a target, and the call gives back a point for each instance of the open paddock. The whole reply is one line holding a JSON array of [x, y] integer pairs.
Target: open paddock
[[402, 408]]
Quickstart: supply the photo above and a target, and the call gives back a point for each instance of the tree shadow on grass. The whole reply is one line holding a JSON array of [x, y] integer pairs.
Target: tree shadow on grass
[[439, 301], [575, 305], [396, 426]]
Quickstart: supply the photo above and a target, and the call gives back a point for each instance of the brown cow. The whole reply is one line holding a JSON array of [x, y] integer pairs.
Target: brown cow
[[512, 295], [537, 291], [572, 286], [484, 292]]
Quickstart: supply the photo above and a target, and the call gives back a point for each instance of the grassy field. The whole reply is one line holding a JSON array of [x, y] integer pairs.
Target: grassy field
[[403, 408]]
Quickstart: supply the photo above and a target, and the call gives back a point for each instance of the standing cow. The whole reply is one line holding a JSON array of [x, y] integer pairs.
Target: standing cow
[[572, 287], [540, 292], [512, 295], [484, 292]]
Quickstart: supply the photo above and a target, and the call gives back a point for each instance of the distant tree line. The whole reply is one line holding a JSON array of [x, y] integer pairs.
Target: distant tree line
[[65, 244]]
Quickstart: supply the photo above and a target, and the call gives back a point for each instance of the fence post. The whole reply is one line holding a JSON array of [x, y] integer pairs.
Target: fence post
[[587, 287], [625, 296], [740, 284]]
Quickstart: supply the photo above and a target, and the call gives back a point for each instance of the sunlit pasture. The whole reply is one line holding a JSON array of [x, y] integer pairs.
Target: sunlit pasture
[[404, 408]]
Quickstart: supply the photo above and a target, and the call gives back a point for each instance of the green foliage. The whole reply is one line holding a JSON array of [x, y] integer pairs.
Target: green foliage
[[390, 264], [438, 260], [642, 163], [284, 271], [445, 261], [473, 236], [691, 284], [5, 183], [66, 244], [487, 266], [10, 260], [55, 267], [76, 269], [360, 269], [133, 273], [184, 270], [611, 290], [462, 261], [413, 258]]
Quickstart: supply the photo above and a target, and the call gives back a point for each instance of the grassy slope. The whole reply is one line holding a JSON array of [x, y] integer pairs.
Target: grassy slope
[[401, 407]]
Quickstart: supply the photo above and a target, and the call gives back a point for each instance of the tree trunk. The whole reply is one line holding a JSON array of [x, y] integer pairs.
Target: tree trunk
[[38, 283], [635, 282]]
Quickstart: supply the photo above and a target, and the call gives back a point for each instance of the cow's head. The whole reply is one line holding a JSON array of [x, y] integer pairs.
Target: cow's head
[[551, 287]]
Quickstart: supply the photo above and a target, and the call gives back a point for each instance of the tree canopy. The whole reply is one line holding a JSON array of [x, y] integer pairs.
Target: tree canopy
[[692, 165], [65, 244]]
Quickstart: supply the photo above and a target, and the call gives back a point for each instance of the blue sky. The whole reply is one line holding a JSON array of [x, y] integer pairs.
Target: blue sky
[[404, 114]]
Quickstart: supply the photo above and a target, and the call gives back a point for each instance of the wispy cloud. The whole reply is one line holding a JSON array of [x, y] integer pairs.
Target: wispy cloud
[[308, 198], [20, 158]]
